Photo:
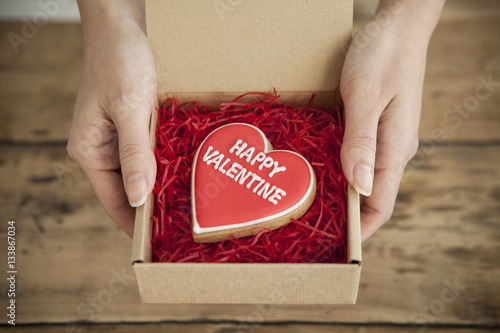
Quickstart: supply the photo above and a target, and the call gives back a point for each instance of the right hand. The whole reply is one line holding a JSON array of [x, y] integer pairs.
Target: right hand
[[109, 136], [381, 86]]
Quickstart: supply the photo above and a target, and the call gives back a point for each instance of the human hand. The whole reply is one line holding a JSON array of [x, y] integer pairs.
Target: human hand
[[381, 86], [109, 136]]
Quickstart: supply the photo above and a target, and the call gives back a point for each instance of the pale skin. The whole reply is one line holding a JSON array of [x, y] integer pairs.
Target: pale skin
[[381, 85]]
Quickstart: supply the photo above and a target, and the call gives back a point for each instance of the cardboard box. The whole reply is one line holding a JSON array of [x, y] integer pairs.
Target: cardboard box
[[211, 51]]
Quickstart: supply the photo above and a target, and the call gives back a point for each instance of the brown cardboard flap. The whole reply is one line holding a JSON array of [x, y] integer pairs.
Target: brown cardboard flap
[[229, 47], [248, 283], [141, 243], [353, 226]]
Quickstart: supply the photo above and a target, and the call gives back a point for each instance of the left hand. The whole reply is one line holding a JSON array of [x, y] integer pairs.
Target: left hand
[[381, 86]]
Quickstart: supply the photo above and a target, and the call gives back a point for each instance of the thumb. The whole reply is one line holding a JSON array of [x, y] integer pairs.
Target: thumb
[[138, 164], [359, 145]]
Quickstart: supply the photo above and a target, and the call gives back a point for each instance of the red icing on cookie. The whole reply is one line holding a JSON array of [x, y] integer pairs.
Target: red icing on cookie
[[237, 181]]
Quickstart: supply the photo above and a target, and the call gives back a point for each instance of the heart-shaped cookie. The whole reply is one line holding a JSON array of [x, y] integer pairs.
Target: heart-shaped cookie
[[240, 185]]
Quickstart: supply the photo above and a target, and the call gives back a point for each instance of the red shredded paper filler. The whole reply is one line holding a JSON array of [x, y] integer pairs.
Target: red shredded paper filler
[[320, 236]]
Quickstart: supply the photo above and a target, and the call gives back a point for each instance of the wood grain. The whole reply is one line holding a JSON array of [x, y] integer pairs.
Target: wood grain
[[38, 86], [235, 328], [444, 231], [461, 55], [74, 263]]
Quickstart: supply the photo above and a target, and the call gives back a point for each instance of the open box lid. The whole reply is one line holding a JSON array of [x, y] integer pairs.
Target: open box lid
[[212, 51]]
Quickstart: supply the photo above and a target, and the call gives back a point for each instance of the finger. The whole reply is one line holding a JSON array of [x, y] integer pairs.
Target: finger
[[96, 151], [397, 144], [108, 187], [377, 209], [360, 142], [137, 161]]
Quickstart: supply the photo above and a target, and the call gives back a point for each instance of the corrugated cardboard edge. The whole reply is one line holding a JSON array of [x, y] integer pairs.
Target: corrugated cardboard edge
[[141, 242], [322, 99], [353, 226]]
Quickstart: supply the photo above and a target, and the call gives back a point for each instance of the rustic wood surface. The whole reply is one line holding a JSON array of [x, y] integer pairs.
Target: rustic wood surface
[[434, 266], [444, 231], [236, 328], [38, 85]]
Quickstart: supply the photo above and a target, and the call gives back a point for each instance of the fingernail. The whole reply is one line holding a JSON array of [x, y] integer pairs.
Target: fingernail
[[137, 190], [363, 179]]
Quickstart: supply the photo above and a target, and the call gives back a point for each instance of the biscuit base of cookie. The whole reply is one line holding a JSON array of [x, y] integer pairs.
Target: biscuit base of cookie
[[217, 236]]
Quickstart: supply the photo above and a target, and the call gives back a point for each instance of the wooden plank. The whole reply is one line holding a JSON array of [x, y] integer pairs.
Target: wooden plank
[[39, 83], [462, 55], [74, 263], [234, 328], [453, 9], [462, 52], [54, 45], [38, 118], [43, 77], [466, 9], [25, 83]]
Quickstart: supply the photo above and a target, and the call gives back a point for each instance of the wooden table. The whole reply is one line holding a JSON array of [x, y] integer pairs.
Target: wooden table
[[435, 266]]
